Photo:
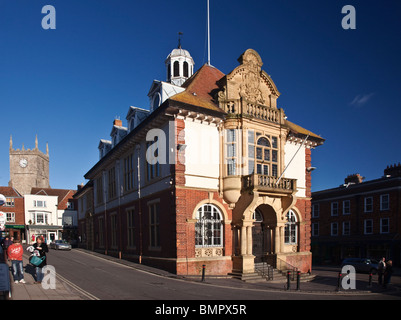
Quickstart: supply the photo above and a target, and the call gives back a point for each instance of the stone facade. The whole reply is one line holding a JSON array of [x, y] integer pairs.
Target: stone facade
[[29, 168]]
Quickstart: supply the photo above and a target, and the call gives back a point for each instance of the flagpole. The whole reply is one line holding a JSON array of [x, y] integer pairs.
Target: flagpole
[[303, 143], [208, 33]]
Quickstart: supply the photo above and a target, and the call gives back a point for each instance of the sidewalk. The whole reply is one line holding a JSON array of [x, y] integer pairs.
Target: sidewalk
[[32, 291]]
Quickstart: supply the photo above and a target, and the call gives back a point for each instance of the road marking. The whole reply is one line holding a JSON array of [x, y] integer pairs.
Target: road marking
[[77, 288]]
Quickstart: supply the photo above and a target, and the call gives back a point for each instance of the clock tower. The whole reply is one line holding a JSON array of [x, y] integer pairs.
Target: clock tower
[[28, 168]]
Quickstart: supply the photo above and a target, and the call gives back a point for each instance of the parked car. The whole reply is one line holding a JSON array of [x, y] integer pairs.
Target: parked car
[[60, 245], [362, 264]]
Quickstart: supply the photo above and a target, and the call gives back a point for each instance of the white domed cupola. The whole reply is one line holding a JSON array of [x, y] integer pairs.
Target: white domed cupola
[[180, 66]]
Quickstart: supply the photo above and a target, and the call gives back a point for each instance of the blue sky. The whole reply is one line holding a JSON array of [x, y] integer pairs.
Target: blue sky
[[68, 85]]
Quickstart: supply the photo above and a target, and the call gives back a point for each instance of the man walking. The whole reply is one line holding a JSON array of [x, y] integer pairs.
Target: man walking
[[14, 253]]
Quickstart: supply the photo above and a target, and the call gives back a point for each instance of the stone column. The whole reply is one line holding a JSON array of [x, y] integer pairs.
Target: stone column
[[243, 241], [277, 240], [249, 240]]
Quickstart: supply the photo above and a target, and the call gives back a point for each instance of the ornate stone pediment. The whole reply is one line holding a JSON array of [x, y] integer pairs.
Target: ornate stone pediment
[[249, 82]]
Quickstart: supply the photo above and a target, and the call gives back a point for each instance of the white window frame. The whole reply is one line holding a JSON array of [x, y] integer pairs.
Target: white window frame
[[382, 207], [332, 229], [346, 205], [382, 225], [365, 226], [315, 229], [316, 210], [368, 207], [291, 229], [10, 216], [346, 227], [215, 222], [231, 143], [334, 209]]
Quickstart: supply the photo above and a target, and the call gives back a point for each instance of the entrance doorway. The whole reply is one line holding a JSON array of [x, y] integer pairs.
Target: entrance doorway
[[52, 236], [263, 232]]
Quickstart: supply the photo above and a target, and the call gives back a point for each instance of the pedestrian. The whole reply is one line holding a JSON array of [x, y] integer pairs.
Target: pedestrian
[[388, 273], [40, 249], [14, 253], [380, 269], [5, 244]]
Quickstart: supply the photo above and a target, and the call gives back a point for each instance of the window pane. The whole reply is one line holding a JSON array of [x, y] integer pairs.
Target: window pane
[[231, 152], [274, 142], [263, 142], [231, 167], [251, 137], [274, 170], [259, 153], [266, 170], [231, 135], [274, 155], [251, 152], [267, 155], [251, 167]]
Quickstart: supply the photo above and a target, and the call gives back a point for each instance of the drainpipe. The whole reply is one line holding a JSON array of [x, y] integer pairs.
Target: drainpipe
[[138, 149]]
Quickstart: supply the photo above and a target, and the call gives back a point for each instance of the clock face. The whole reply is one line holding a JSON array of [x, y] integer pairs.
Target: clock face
[[23, 163]]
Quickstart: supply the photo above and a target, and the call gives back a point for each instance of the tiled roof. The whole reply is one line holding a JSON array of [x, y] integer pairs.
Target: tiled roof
[[9, 192], [61, 193], [299, 130], [201, 88]]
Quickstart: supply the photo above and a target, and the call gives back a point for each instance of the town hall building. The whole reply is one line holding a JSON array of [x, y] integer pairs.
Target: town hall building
[[212, 174]]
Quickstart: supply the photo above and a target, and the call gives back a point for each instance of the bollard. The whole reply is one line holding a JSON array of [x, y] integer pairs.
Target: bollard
[[339, 281], [298, 280], [370, 280], [288, 280], [203, 272]]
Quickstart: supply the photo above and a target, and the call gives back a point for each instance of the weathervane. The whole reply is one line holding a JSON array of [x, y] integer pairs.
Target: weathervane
[[179, 39]]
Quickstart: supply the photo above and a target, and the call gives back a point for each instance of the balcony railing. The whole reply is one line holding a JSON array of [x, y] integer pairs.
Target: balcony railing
[[269, 183], [253, 110]]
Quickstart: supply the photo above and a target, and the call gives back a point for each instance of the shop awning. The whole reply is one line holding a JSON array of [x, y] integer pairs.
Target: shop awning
[[14, 226]]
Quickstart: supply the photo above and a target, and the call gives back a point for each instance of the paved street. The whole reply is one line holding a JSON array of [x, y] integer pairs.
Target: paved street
[[93, 276]]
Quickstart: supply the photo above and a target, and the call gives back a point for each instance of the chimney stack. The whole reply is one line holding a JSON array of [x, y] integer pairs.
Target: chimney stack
[[118, 123], [393, 170], [354, 179]]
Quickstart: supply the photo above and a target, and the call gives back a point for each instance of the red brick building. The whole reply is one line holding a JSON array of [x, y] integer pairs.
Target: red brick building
[[14, 209], [213, 174], [358, 219]]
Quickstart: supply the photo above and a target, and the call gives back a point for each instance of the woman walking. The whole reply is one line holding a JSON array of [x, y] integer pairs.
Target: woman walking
[[40, 249]]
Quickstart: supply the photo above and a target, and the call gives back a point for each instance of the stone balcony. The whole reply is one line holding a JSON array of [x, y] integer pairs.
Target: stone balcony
[[269, 184], [246, 108]]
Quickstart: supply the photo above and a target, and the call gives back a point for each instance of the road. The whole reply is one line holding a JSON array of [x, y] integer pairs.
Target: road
[[97, 278]]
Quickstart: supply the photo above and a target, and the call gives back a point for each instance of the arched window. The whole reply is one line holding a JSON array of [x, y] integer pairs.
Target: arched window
[[262, 154], [209, 227], [176, 69], [186, 71], [291, 228]]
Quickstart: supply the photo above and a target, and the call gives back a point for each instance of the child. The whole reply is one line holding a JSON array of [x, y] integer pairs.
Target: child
[[14, 253]]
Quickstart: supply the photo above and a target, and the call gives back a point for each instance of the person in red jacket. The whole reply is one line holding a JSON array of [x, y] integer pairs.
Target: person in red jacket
[[14, 253]]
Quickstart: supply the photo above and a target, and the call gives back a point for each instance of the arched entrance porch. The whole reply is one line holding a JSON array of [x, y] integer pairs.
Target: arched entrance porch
[[263, 234]]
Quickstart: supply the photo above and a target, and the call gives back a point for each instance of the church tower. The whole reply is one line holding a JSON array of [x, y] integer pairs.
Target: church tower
[[180, 66], [28, 168]]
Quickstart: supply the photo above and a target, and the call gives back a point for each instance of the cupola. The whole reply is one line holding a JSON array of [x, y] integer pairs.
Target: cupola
[[179, 65]]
